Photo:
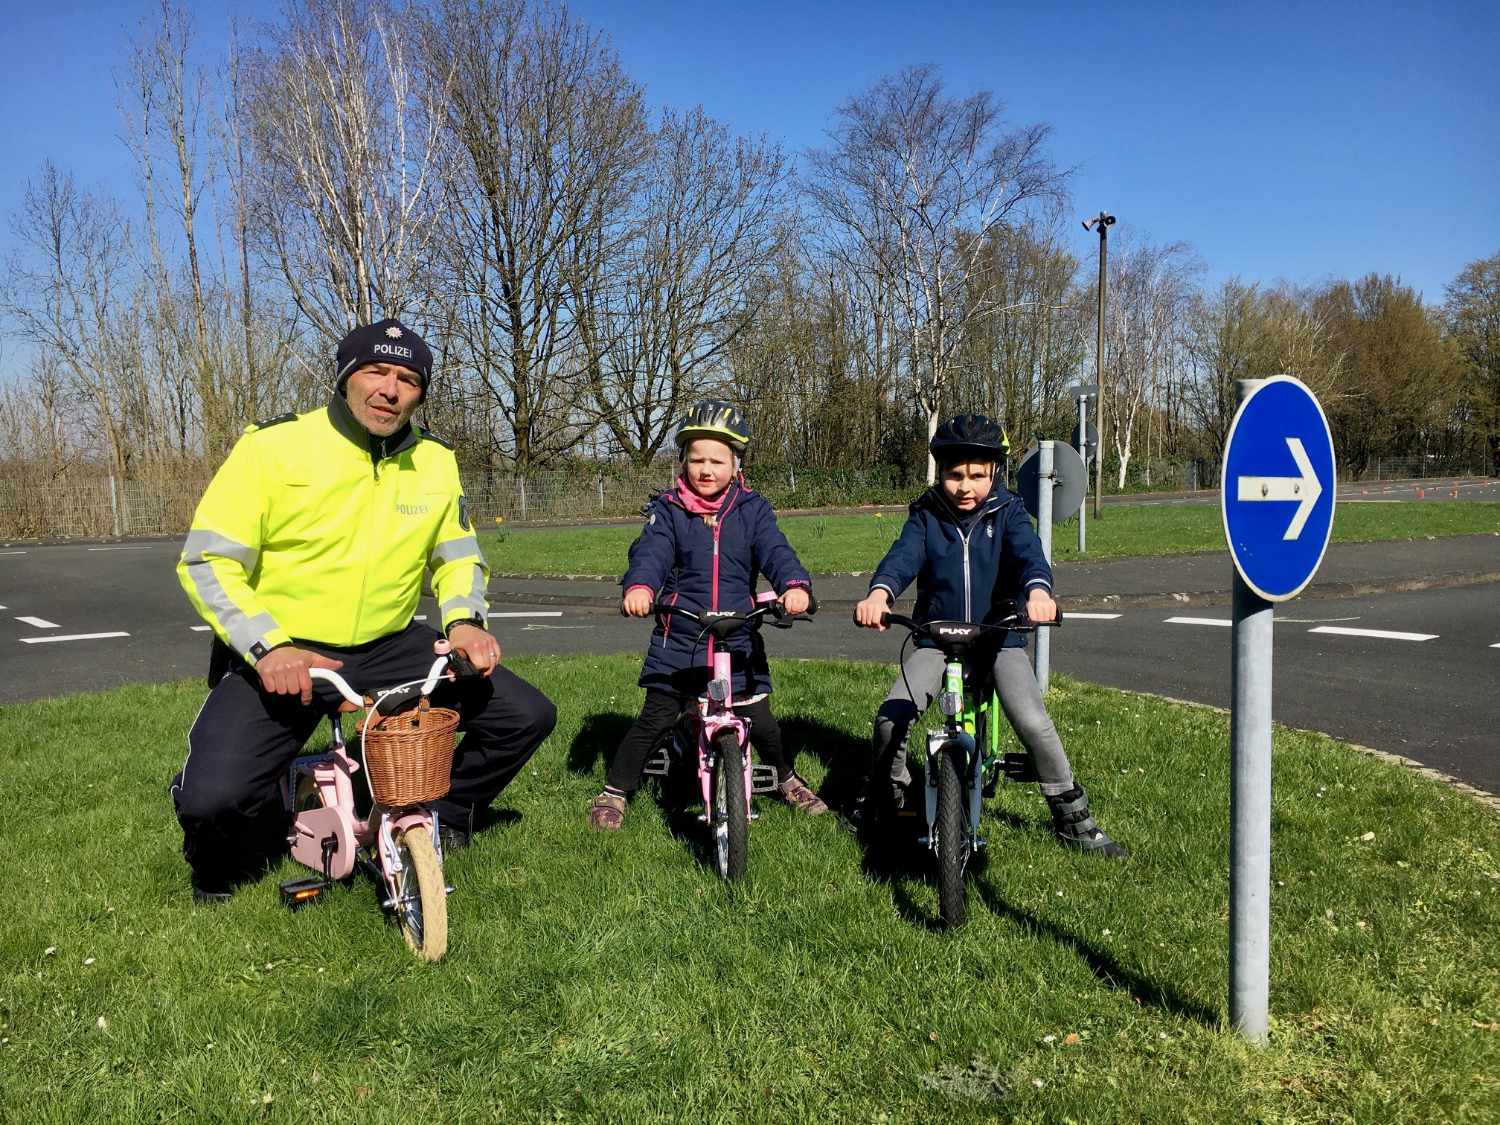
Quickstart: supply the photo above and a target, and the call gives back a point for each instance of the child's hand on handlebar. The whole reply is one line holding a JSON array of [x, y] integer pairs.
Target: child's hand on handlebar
[[1039, 605], [283, 671], [637, 602], [795, 600], [478, 646], [871, 612]]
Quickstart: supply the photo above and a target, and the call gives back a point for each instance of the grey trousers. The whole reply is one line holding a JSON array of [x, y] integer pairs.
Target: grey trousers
[[917, 685]]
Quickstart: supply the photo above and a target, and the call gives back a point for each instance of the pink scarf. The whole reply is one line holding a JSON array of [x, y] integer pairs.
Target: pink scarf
[[696, 504]]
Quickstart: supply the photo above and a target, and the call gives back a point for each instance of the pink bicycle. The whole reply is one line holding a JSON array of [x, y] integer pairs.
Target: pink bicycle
[[718, 740], [408, 752]]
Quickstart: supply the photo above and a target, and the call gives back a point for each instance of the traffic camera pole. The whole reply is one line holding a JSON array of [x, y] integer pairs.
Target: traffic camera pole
[[1045, 479], [1250, 806]]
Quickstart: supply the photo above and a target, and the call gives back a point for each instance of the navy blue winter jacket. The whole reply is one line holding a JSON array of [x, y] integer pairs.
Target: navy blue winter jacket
[[965, 564], [700, 565]]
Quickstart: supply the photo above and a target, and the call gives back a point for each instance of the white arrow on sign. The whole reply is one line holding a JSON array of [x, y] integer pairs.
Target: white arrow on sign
[[1304, 489]]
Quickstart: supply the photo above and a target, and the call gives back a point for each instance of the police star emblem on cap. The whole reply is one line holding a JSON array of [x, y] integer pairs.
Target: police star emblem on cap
[[393, 332]]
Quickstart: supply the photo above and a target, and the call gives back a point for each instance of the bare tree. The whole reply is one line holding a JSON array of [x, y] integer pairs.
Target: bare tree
[[910, 174], [342, 161], [1473, 311], [680, 291], [547, 134], [1149, 291]]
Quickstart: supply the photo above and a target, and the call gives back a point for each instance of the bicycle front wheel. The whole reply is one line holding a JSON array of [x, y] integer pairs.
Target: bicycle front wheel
[[952, 844], [422, 896], [729, 818]]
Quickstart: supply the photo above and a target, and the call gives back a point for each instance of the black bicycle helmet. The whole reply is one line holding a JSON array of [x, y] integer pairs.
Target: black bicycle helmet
[[715, 418], [969, 435]]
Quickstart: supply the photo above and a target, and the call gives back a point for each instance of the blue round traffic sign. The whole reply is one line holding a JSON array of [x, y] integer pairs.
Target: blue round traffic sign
[[1277, 490]]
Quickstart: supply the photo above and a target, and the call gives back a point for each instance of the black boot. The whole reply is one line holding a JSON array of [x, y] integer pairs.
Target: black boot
[[1074, 827]]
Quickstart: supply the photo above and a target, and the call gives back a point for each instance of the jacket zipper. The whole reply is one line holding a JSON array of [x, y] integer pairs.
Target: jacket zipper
[[364, 574], [713, 592]]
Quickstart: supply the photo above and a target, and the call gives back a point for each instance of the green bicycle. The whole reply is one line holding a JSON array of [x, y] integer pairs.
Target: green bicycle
[[964, 762]]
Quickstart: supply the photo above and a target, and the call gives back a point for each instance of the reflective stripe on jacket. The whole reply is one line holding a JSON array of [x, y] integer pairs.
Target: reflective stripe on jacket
[[312, 529]]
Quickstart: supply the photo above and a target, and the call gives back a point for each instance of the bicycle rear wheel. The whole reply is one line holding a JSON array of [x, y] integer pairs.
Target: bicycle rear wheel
[[729, 819], [952, 844], [421, 895]]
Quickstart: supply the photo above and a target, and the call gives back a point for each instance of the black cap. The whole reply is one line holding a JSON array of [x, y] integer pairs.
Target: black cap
[[386, 341]]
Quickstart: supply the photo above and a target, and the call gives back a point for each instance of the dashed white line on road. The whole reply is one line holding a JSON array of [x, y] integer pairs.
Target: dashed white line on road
[[37, 622], [1092, 616], [1494, 646], [199, 628], [12, 552], [142, 547], [70, 637], [548, 613], [1379, 634], [1198, 621]]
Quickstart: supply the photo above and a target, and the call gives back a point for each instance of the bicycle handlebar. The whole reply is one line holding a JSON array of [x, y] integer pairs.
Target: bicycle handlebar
[[724, 622], [449, 665]]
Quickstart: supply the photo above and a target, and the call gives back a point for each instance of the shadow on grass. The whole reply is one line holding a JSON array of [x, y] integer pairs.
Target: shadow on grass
[[1105, 967], [598, 738]]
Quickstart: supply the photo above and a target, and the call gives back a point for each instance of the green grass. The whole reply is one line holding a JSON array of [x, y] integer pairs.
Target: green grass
[[614, 978], [855, 543]]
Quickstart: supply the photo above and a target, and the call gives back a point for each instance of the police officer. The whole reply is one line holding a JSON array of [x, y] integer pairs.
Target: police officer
[[308, 551]]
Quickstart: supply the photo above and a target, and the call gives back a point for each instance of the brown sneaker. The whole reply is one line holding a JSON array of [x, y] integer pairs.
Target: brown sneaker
[[795, 792], [607, 812]]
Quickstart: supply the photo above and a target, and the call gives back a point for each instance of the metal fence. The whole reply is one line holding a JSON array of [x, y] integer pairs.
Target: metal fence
[[36, 506]]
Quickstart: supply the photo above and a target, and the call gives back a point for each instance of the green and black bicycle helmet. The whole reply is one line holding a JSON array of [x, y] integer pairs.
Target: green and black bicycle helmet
[[715, 418], [969, 436]]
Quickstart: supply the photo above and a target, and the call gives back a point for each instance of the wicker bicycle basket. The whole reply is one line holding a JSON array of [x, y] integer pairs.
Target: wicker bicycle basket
[[410, 755]]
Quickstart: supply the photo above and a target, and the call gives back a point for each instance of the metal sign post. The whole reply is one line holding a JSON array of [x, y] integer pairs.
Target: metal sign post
[[1053, 485], [1084, 441], [1278, 426], [1046, 479]]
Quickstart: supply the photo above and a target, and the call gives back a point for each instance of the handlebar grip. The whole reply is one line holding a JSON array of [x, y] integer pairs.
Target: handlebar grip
[[329, 676], [461, 664]]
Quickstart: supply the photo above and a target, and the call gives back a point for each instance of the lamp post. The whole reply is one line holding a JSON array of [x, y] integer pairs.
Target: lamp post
[[1103, 221]]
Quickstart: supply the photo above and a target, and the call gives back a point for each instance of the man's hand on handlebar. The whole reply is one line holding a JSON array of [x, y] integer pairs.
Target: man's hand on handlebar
[[871, 612], [795, 600], [478, 646], [637, 602], [283, 671], [1039, 605]]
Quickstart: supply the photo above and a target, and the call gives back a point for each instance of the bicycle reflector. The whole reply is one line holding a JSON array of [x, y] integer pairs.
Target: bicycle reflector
[[951, 703], [300, 892], [718, 690]]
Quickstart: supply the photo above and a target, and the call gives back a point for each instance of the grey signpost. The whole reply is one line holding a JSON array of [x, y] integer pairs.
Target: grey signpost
[[1277, 498], [1053, 483], [1084, 443]]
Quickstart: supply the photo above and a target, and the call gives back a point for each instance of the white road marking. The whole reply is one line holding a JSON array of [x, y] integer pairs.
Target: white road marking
[[142, 547], [1198, 621], [1313, 620], [199, 628], [1494, 646], [70, 637], [12, 552], [529, 626], [37, 622], [548, 613], [1380, 634], [1091, 616], [420, 617]]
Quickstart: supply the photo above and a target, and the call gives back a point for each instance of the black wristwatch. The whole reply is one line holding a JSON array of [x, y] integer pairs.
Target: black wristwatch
[[476, 621]]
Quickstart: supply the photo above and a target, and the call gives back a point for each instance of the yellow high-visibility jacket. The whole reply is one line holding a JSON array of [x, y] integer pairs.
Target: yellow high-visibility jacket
[[312, 529]]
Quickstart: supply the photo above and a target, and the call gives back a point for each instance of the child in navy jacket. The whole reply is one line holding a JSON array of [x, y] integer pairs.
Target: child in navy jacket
[[970, 549], [706, 541]]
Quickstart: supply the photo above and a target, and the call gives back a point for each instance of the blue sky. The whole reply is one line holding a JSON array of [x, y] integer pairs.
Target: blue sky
[[1280, 140]]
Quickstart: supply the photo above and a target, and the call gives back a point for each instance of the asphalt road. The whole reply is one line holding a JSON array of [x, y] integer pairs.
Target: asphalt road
[[1433, 700]]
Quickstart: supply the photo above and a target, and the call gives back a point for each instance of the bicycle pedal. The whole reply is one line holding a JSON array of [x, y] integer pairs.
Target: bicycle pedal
[[763, 779], [297, 893], [659, 764], [1019, 767]]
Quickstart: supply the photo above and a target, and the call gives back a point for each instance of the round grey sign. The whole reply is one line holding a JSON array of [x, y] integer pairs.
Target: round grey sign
[[1069, 489]]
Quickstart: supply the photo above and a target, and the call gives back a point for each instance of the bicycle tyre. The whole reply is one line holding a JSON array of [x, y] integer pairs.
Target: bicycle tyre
[[952, 840], [729, 820], [422, 903]]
